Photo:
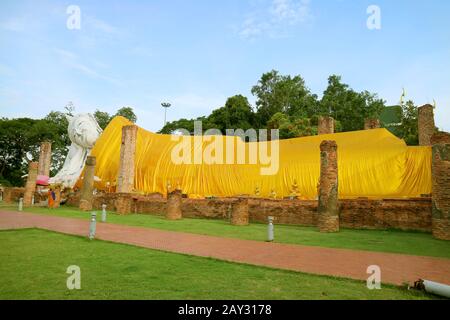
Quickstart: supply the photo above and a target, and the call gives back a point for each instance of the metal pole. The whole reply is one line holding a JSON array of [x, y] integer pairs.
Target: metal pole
[[165, 105], [103, 212], [165, 116], [21, 204], [92, 226], [270, 235]]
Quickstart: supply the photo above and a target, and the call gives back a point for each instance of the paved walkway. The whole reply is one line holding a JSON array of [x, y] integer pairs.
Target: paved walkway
[[395, 268]]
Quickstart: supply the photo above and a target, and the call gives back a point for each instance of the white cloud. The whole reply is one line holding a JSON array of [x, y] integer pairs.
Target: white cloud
[[100, 25], [72, 61], [14, 24], [290, 11], [275, 20]]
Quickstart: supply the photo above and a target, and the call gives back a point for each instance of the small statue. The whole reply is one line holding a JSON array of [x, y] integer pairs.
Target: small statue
[[273, 194], [294, 190], [257, 191]]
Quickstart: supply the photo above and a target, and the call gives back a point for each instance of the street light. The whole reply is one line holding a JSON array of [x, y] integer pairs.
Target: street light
[[165, 105]]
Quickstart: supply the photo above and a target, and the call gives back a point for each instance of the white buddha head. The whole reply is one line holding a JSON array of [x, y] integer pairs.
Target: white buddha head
[[83, 130]]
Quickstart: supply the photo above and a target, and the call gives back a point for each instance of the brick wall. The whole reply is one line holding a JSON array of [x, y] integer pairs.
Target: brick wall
[[406, 214]]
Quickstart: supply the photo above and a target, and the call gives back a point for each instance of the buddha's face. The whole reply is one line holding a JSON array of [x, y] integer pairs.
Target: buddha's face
[[83, 130]]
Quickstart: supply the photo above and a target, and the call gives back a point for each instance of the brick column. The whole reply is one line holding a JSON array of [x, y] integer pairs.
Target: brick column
[[426, 124], [127, 153], [30, 186], [88, 184], [124, 203], [174, 205], [8, 195], [239, 214], [372, 123], [45, 157], [326, 125], [57, 202], [328, 210], [441, 185]]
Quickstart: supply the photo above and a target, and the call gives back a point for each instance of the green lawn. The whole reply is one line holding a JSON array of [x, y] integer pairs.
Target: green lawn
[[414, 243], [34, 263]]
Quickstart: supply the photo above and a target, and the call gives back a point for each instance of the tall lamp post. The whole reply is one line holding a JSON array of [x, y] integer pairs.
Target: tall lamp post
[[165, 105]]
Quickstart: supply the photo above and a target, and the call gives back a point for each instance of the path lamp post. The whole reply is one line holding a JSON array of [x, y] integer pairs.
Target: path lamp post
[[21, 204], [270, 236], [103, 212], [92, 226], [165, 105]]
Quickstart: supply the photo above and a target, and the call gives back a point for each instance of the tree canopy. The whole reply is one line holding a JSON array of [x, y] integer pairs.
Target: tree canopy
[[20, 141]]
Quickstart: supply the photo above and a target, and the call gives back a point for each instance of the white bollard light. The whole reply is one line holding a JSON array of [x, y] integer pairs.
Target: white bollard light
[[270, 228], [92, 226], [103, 212], [21, 204], [32, 201]]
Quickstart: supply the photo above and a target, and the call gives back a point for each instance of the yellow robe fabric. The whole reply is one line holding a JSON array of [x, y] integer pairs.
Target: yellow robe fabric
[[371, 163]]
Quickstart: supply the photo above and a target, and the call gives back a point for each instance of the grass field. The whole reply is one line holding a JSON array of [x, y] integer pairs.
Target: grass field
[[413, 243], [34, 263]]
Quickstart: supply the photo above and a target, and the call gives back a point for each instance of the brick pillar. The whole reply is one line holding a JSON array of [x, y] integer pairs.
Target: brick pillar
[[124, 204], [45, 157], [328, 210], [372, 123], [174, 205], [326, 125], [441, 185], [88, 184], [57, 202], [30, 186], [127, 153], [426, 124], [239, 215], [8, 195]]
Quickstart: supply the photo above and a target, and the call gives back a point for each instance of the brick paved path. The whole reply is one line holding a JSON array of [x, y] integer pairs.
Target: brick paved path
[[395, 268]]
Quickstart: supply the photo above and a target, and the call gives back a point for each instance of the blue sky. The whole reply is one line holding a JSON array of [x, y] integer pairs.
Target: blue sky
[[196, 53]]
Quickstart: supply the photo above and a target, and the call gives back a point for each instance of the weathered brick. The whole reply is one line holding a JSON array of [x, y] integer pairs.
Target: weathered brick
[[125, 181], [174, 205], [372, 123], [45, 158], [88, 184], [239, 215], [326, 125], [30, 186], [426, 124], [328, 209], [441, 185]]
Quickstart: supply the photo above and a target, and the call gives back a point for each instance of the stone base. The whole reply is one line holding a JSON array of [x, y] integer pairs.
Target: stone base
[[174, 206], [239, 215], [124, 204], [328, 223], [441, 229], [85, 205], [11, 195]]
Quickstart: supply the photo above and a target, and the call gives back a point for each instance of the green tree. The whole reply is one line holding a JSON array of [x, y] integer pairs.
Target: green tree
[[103, 118], [127, 112], [236, 114], [409, 125], [278, 93], [347, 106], [291, 127]]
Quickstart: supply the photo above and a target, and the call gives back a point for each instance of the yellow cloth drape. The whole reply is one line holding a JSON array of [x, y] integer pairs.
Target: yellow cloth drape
[[371, 163]]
